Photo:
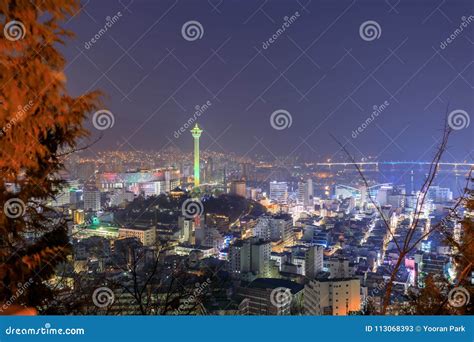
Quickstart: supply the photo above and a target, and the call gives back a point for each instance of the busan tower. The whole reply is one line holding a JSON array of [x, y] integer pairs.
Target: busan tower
[[196, 132]]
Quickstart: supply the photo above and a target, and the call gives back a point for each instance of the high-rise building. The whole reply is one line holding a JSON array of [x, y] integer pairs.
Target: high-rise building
[[238, 187], [78, 216], [247, 171], [383, 193], [262, 229], [279, 192], [186, 230], [305, 193], [275, 228], [250, 258], [209, 168], [196, 132], [313, 261], [396, 198], [91, 198], [282, 229], [440, 195], [363, 195], [338, 296], [253, 193], [209, 237]]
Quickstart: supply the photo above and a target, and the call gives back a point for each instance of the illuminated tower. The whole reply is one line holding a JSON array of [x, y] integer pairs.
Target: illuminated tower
[[196, 132]]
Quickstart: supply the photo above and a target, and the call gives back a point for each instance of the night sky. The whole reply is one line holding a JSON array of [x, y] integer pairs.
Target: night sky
[[319, 70]]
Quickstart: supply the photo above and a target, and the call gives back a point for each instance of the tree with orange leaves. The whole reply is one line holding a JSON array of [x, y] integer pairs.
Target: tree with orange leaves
[[38, 120]]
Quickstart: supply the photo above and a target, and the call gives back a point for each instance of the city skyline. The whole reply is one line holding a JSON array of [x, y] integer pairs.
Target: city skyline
[[319, 70], [270, 158]]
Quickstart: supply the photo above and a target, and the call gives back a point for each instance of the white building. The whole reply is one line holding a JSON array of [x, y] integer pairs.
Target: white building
[[305, 193], [339, 268], [146, 235], [279, 192], [344, 191], [275, 228], [250, 258], [282, 229], [338, 297], [91, 199], [440, 195], [209, 237], [262, 228], [186, 230]]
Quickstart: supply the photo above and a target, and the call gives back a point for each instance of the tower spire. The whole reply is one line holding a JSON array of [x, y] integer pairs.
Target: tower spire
[[196, 133]]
